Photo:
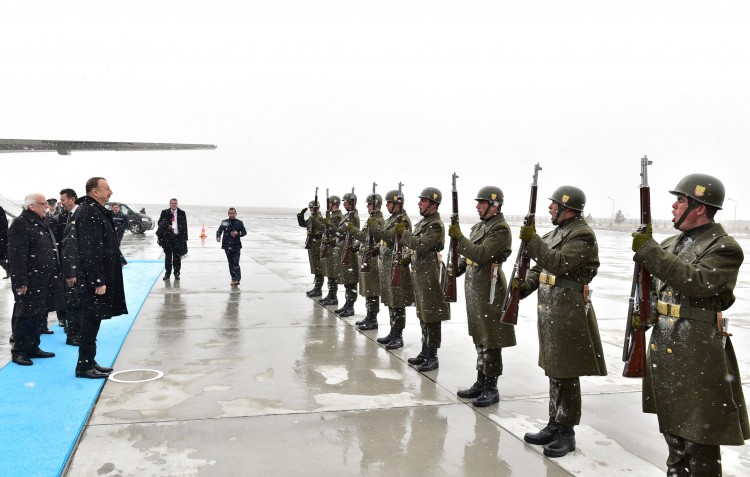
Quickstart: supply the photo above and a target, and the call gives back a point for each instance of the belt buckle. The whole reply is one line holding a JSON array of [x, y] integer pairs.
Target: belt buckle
[[674, 311]]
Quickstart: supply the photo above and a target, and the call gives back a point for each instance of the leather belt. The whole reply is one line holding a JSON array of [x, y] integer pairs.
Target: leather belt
[[689, 312], [552, 281]]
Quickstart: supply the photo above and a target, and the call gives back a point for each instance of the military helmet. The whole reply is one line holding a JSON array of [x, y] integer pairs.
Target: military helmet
[[313, 203], [491, 194], [350, 197], [705, 189], [375, 199], [570, 197], [334, 200], [431, 193], [395, 196]]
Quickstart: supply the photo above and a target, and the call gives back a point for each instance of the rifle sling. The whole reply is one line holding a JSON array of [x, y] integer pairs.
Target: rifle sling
[[554, 281]]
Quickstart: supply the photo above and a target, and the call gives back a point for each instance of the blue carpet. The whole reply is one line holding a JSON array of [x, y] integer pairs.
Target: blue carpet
[[43, 407]]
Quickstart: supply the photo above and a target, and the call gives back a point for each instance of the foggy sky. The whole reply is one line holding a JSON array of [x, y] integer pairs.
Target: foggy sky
[[299, 94]]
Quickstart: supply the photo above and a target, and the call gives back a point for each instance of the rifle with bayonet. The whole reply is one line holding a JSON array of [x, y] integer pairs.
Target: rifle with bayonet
[[449, 284], [346, 258], [310, 239], [370, 243], [639, 304], [520, 268], [327, 229], [398, 250]]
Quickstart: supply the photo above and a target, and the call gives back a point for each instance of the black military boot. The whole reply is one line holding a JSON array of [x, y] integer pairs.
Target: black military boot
[[545, 436], [430, 362], [475, 390], [490, 395], [344, 310], [387, 338], [167, 274], [317, 289], [371, 320], [420, 358], [351, 297], [565, 441], [331, 298], [397, 340]]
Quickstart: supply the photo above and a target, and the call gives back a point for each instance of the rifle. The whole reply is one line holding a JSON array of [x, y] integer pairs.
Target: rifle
[[398, 250], [513, 296], [346, 259], [449, 284], [367, 257], [326, 230], [639, 304], [309, 241]]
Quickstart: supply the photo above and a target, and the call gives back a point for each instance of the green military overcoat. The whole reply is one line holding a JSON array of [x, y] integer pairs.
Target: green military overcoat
[[369, 282], [328, 264], [692, 380], [314, 226], [488, 243], [349, 274], [424, 243], [403, 296], [569, 342]]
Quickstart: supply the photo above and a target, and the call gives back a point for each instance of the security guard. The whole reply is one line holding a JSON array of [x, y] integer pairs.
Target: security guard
[[328, 252], [567, 259], [314, 225], [369, 281], [483, 254], [346, 246], [692, 380], [396, 298], [424, 244]]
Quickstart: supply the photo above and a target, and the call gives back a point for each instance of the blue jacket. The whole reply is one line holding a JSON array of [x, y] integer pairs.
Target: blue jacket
[[226, 228]]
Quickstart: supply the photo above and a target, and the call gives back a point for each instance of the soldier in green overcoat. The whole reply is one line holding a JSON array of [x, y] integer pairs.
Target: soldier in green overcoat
[[328, 250], [314, 225], [567, 259], [483, 254], [425, 243], [692, 381], [396, 298], [346, 247], [369, 281]]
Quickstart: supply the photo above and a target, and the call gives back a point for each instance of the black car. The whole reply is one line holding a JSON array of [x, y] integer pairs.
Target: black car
[[137, 222]]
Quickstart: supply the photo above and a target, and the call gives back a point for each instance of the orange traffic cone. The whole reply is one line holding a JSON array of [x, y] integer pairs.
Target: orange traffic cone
[[203, 232]]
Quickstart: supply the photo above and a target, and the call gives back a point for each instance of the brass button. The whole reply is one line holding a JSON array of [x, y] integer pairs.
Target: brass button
[[669, 350], [653, 347], [670, 321]]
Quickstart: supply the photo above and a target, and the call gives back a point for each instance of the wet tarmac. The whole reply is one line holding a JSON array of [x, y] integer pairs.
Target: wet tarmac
[[261, 380]]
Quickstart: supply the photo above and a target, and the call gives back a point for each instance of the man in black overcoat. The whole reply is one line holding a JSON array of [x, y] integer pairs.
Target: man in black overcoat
[[101, 289], [35, 279], [3, 241], [172, 236]]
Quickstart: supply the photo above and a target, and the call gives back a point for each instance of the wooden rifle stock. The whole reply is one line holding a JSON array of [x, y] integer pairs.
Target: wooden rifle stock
[[521, 266], [398, 256], [449, 284], [370, 243], [639, 307], [346, 258], [326, 230]]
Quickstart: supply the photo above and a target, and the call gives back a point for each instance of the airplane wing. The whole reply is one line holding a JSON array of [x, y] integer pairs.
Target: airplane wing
[[66, 147]]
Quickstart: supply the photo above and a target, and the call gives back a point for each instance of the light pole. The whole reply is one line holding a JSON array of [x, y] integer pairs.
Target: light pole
[[613, 210], [735, 208]]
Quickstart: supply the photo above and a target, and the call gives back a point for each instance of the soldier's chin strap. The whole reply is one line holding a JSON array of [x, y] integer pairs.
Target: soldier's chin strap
[[692, 204], [560, 208], [490, 205]]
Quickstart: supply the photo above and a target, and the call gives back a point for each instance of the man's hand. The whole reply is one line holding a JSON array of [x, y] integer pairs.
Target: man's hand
[[371, 222], [303, 210], [399, 228], [351, 228], [528, 232], [406, 260], [70, 282], [640, 238], [516, 284], [454, 232], [100, 290], [22, 290]]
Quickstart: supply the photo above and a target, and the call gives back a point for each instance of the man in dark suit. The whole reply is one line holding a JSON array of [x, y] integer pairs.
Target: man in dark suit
[[35, 279], [99, 273], [232, 229], [172, 236], [4, 241]]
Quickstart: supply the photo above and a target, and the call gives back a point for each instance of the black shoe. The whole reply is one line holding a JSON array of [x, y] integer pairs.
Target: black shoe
[[418, 359], [430, 363], [475, 390], [22, 360], [166, 276], [360, 322], [543, 437], [368, 325], [340, 310], [73, 341], [12, 339], [314, 292], [38, 353], [386, 339], [91, 374], [346, 312], [48, 332], [395, 343], [330, 299], [565, 441], [102, 369], [61, 323], [490, 394], [176, 276]]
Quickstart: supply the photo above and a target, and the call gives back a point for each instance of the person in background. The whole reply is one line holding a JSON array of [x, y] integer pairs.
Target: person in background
[[4, 241], [70, 318], [229, 233], [121, 221], [35, 277], [173, 236]]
